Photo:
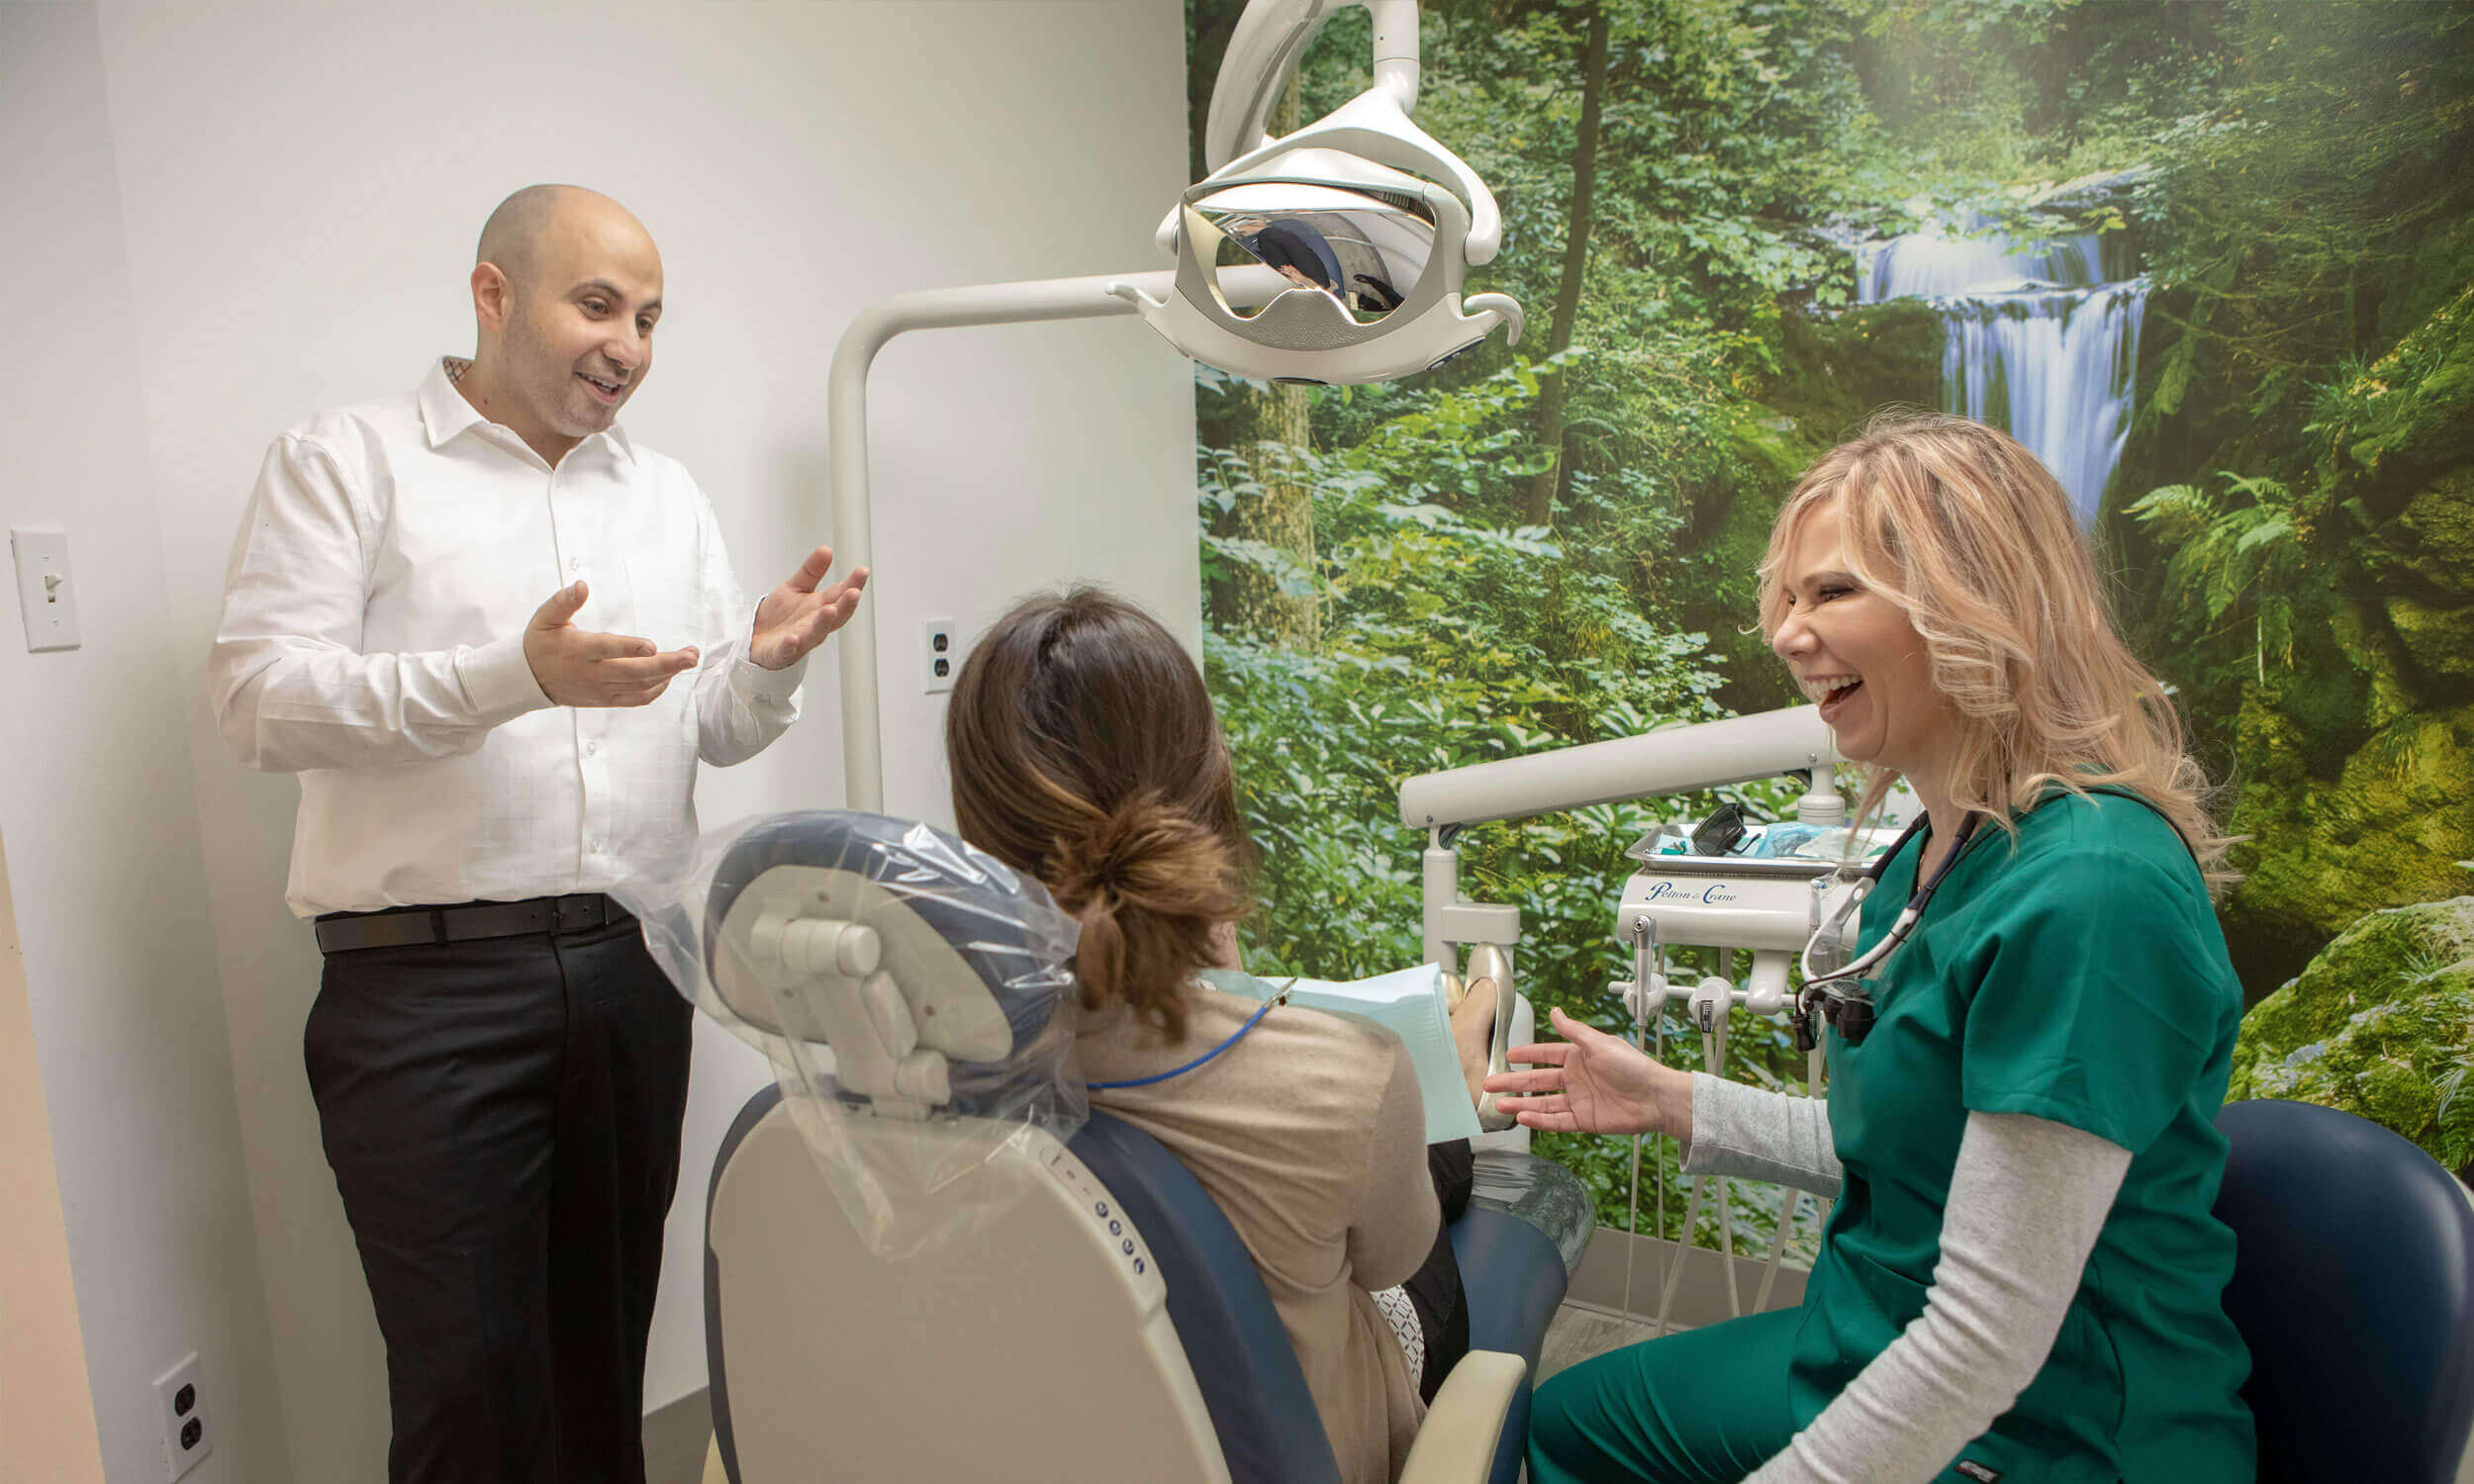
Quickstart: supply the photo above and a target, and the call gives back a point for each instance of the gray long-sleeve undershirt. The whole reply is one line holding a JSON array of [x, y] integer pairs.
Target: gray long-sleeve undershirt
[[2028, 1199]]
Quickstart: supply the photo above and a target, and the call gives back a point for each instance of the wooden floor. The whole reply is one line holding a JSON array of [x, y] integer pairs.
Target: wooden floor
[[1581, 1331], [676, 1437]]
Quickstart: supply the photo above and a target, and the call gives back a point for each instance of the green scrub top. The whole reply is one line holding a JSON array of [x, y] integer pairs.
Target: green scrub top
[[2076, 975]]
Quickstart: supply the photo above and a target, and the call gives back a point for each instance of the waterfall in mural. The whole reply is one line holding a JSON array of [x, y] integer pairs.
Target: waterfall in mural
[[2036, 342]]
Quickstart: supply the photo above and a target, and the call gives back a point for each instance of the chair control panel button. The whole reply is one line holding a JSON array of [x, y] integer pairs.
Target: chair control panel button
[[1122, 1245]]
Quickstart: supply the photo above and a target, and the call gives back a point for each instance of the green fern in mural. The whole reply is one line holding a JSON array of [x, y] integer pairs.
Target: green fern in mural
[[2243, 543]]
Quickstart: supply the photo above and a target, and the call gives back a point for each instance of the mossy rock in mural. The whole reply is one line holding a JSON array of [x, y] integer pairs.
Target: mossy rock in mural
[[2390, 826], [2438, 642], [2380, 1024], [2355, 744], [1837, 369]]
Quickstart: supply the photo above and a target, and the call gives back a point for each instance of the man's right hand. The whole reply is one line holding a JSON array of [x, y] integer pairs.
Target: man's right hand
[[577, 666]]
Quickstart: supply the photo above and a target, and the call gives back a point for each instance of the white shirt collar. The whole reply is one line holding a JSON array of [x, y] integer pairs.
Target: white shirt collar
[[444, 413]]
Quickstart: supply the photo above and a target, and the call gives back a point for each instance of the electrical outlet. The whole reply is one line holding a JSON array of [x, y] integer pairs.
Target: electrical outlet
[[44, 594], [188, 1433], [940, 660]]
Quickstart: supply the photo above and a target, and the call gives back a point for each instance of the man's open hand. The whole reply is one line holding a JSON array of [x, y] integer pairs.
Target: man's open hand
[[795, 617], [577, 666]]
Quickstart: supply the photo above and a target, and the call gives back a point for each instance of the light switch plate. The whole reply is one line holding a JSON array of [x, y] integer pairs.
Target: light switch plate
[[44, 594]]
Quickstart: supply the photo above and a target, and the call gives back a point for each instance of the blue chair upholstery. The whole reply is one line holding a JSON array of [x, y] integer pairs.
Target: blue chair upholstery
[[1241, 1357], [717, 1374], [2354, 1286]]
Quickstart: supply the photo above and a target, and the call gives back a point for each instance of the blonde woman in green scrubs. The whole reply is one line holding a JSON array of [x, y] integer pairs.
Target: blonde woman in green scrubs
[[2021, 1279]]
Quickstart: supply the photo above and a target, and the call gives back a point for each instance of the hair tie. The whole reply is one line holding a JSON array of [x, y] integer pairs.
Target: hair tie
[[1097, 864]]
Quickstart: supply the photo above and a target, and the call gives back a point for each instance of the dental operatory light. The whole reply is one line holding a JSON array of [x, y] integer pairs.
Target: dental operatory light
[[1333, 255], [1373, 221]]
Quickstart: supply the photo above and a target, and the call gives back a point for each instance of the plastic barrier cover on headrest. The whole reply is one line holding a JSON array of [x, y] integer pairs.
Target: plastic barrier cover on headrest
[[913, 994]]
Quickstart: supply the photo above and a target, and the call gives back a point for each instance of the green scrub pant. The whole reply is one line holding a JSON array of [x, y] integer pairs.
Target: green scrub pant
[[1707, 1406]]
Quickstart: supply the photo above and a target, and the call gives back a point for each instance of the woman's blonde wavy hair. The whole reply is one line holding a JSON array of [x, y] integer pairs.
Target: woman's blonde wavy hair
[[1974, 539]]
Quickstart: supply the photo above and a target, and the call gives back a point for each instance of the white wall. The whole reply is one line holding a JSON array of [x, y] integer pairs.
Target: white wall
[[95, 800], [298, 188]]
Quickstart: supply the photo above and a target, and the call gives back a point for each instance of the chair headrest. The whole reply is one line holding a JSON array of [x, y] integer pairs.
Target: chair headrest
[[892, 974], [904, 949]]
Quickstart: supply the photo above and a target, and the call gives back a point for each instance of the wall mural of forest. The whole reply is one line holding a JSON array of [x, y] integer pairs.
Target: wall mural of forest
[[2213, 262]]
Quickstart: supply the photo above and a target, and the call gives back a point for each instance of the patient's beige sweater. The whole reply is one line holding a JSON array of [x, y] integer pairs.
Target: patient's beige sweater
[[1311, 1134]]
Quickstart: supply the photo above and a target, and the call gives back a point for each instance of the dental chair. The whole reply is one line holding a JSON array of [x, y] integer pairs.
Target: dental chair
[[2354, 1286], [1109, 1324]]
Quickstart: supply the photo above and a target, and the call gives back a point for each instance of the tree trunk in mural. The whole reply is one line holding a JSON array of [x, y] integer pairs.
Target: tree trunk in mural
[[1269, 429], [1540, 503]]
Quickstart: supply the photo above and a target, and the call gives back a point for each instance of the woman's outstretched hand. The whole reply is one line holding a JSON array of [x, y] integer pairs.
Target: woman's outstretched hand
[[1592, 1083]]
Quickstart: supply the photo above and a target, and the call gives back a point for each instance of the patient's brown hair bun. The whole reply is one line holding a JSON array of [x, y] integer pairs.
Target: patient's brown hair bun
[[1086, 752]]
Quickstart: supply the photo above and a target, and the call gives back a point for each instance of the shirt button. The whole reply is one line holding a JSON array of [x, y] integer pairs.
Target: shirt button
[[575, 564], [592, 748]]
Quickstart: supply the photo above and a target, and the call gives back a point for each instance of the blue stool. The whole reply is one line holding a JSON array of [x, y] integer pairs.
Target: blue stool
[[2354, 1285]]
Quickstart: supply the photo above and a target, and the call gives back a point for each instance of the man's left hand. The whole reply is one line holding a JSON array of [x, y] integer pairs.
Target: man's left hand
[[795, 617]]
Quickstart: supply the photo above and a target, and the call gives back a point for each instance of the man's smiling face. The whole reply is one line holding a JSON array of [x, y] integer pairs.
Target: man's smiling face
[[578, 335]]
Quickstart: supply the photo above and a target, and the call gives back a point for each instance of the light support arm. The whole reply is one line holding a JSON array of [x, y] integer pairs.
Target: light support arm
[[1395, 50], [1676, 760], [846, 420], [1269, 40]]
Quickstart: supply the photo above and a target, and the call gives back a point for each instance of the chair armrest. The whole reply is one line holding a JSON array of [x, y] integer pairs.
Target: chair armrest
[[1456, 1445]]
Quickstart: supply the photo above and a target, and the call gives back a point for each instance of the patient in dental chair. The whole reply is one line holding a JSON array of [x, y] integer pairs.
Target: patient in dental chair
[[1085, 753]]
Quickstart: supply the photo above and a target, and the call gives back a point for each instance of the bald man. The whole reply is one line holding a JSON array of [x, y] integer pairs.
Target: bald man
[[493, 636]]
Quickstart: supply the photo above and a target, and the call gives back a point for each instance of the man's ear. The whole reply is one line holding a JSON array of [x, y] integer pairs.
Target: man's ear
[[493, 297]]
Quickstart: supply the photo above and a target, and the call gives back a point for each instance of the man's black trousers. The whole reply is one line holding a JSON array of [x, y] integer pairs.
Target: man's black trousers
[[503, 1119]]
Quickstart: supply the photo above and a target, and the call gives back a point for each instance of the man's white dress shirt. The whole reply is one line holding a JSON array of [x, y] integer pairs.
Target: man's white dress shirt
[[372, 642]]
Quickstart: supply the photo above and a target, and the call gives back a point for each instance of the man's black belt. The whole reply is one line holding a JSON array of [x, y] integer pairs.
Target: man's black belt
[[409, 927]]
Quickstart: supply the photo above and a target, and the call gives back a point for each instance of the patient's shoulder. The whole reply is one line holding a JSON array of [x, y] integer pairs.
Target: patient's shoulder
[[1312, 1084], [1343, 1041], [1320, 1062], [1321, 1036]]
